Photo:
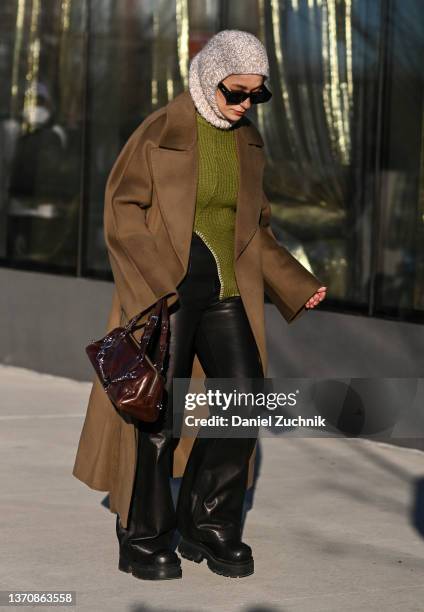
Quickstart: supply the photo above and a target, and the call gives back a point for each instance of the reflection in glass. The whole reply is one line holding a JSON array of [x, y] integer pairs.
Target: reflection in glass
[[40, 132], [135, 64], [399, 278], [324, 71], [343, 131]]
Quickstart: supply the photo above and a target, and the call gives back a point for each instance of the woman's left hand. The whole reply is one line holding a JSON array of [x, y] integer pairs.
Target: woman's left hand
[[316, 298]]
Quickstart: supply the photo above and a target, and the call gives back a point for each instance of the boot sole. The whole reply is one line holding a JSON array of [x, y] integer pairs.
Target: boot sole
[[150, 572], [194, 551]]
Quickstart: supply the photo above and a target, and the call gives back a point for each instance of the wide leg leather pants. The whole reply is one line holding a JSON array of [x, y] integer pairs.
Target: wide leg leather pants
[[212, 490]]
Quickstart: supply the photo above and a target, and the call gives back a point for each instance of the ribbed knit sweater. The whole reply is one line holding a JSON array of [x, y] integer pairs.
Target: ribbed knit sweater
[[217, 190]]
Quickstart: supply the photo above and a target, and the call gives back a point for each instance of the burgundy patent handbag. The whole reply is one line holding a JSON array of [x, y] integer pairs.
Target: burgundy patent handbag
[[133, 383]]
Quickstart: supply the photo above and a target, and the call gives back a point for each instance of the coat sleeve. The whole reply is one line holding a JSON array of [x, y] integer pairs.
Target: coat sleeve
[[287, 283], [140, 276]]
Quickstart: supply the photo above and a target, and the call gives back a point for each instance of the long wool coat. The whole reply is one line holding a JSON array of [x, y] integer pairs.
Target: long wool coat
[[149, 211]]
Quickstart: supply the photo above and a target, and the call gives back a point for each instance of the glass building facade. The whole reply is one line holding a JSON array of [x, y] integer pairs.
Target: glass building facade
[[343, 132]]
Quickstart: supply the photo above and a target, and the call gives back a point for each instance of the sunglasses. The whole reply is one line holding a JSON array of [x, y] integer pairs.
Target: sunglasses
[[236, 97]]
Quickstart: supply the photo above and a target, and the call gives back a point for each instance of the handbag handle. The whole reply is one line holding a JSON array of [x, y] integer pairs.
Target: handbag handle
[[160, 311], [163, 336]]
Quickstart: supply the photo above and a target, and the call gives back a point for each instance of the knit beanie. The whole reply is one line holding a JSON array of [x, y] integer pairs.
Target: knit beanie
[[227, 52]]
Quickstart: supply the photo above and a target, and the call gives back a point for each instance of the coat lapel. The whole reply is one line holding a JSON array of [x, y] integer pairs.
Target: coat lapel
[[175, 171]]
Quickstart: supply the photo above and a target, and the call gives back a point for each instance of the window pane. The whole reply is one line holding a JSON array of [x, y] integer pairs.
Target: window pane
[[343, 131], [42, 47], [319, 130], [133, 69], [400, 258]]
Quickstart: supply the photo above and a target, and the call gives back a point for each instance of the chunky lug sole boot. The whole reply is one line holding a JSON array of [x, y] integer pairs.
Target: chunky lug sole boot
[[146, 545], [210, 505], [234, 560], [160, 565]]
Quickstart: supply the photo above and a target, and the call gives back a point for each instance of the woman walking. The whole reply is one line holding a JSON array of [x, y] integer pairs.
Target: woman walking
[[186, 217]]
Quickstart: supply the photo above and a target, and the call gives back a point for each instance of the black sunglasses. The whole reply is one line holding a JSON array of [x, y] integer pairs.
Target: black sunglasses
[[236, 97]]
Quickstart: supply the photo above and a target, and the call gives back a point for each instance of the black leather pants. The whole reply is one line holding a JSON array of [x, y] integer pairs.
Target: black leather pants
[[211, 495]]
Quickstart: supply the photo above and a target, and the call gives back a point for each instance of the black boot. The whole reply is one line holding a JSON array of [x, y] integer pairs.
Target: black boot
[[232, 558], [146, 547], [161, 564], [210, 505]]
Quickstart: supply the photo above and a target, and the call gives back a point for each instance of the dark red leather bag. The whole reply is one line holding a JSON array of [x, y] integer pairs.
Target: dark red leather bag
[[133, 383]]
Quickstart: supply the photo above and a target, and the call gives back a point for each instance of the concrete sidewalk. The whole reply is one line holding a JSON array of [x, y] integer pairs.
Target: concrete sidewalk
[[336, 524]]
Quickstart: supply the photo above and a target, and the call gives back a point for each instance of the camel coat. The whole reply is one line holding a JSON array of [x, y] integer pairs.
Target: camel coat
[[150, 199]]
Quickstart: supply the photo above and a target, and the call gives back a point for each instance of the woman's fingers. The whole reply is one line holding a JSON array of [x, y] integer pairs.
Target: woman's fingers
[[316, 298]]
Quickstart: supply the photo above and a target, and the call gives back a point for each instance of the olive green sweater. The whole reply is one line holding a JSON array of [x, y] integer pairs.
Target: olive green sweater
[[217, 190]]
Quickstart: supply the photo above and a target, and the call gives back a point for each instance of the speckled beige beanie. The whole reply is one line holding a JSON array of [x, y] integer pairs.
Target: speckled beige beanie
[[227, 52]]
